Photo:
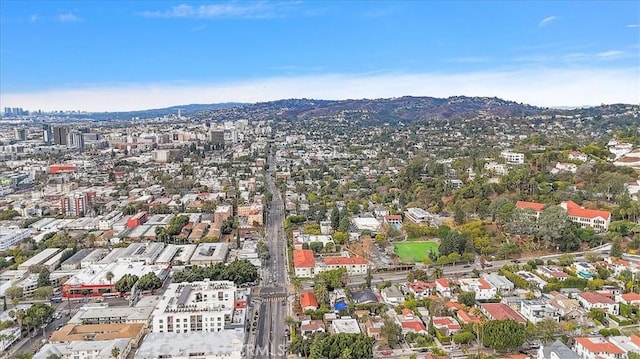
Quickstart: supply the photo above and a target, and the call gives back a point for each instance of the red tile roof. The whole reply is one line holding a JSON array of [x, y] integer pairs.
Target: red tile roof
[[420, 286], [538, 207], [501, 311], [303, 258], [635, 339], [344, 261], [448, 322], [631, 297], [393, 216], [575, 210], [308, 299], [443, 282], [415, 325], [596, 298], [599, 345], [467, 317]]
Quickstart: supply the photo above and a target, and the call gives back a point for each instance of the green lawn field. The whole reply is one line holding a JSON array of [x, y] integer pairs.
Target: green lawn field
[[411, 252]]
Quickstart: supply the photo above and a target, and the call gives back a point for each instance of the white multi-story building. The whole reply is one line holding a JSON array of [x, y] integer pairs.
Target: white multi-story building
[[536, 311], [481, 287], [513, 158], [11, 237], [597, 348], [106, 223], [598, 220], [590, 301], [206, 306]]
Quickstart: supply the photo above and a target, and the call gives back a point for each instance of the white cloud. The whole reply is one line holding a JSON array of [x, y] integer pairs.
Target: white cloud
[[633, 26], [34, 18], [69, 17], [612, 54], [547, 20], [238, 10], [537, 86]]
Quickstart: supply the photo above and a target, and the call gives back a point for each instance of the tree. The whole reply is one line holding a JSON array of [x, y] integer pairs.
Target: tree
[[43, 292], [149, 281], [437, 272], [109, 276], [616, 249], [463, 337], [333, 346], [316, 247], [391, 332], [44, 278], [467, 298], [126, 282], [14, 293], [503, 334], [115, 352], [553, 222], [546, 330]]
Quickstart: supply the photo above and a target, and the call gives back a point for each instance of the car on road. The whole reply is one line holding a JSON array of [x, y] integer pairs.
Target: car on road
[[466, 266], [488, 265], [515, 261]]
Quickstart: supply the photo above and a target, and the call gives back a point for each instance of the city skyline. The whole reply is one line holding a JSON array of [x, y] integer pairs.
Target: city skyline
[[89, 57]]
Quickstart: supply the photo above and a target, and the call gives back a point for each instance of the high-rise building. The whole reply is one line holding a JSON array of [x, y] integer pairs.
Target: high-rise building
[[217, 139], [20, 134], [75, 139], [60, 135], [47, 134]]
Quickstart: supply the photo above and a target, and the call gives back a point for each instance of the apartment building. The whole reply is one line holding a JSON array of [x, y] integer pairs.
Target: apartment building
[[206, 306]]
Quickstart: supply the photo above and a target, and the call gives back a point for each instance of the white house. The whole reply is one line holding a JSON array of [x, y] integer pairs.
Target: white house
[[590, 301], [536, 311], [443, 287], [513, 158], [480, 286], [597, 348]]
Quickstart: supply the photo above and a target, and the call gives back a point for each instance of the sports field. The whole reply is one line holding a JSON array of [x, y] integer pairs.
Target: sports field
[[411, 252]]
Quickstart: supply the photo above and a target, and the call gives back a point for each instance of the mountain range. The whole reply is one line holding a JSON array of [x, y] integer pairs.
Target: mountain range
[[373, 111]]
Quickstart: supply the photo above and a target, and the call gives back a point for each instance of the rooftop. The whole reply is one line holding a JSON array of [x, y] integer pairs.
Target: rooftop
[[222, 343]]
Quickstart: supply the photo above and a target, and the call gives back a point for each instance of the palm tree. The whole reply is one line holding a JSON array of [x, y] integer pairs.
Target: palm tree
[[115, 352], [437, 272], [109, 276], [297, 285], [322, 292]]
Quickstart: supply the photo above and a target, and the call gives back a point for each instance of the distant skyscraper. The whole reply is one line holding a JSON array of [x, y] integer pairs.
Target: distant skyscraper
[[60, 135], [217, 139], [75, 139], [20, 134], [47, 134]]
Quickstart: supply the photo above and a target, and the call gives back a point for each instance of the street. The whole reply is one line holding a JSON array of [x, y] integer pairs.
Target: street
[[272, 294]]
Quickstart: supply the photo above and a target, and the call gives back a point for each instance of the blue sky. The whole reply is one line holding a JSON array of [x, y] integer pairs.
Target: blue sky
[[125, 55]]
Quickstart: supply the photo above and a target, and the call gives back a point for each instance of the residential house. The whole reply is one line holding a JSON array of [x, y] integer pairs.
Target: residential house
[[590, 301], [552, 272], [308, 301], [501, 283], [501, 311], [446, 325], [537, 310], [443, 287], [481, 287], [392, 295], [556, 350], [578, 156], [568, 308], [303, 263], [353, 265], [310, 327], [345, 325], [536, 207], [629, 299], [421, 289], [597, 348], [410, 323]]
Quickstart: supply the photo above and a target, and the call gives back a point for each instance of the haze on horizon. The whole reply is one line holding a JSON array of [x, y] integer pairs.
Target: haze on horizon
[[140, 55]]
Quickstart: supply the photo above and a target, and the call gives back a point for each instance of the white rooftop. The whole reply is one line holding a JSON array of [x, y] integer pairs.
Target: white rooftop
[[222, 343]]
